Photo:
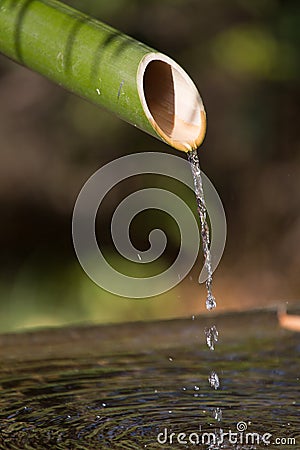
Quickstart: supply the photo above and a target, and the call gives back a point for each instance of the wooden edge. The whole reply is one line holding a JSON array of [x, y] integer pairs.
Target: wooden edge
[[288, 321]]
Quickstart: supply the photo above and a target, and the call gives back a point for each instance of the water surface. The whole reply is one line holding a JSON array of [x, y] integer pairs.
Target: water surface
[[120, 386]]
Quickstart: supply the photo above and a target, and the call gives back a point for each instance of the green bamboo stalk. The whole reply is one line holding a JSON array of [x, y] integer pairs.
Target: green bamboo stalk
[[106, 67]]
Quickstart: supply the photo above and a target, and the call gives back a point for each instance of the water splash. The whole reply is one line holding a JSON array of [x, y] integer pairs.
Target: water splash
[[205, 235], [212, 336]]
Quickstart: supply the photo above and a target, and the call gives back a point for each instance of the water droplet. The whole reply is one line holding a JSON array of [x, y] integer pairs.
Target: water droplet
[[210, 302], [212, 335], [217, 414], [104, 404], [170, 358], [213, 380]]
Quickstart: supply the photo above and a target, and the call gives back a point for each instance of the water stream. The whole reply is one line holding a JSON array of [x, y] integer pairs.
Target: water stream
[[205, 235], [211, 332]]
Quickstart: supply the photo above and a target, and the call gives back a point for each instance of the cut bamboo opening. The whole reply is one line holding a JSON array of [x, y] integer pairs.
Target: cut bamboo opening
[[171, 102]]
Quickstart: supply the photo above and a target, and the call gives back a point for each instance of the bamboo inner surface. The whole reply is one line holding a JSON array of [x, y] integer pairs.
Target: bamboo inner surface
[[160, 95]]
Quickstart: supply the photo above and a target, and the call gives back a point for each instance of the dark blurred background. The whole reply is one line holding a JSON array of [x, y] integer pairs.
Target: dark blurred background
[[244, 57]]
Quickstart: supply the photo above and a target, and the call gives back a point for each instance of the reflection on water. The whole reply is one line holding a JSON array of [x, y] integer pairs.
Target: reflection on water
[[127, 386]]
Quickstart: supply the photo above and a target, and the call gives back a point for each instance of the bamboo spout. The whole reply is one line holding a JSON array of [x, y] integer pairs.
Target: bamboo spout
[[171, 102], [106, 67]]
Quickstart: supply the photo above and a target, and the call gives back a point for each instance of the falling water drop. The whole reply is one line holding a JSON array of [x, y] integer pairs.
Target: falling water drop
[[212, 335], [213, 380], [217, 414]]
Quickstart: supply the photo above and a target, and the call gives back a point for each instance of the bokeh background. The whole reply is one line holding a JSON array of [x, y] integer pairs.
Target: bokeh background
[[244, 57]]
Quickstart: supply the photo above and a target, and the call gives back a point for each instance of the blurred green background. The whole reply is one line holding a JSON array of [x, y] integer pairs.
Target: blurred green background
[[244, 57]]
